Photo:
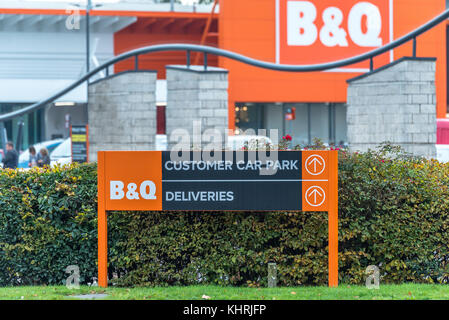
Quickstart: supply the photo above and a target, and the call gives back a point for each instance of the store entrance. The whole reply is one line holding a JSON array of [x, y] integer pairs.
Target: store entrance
[[303, 121], [32, 130]]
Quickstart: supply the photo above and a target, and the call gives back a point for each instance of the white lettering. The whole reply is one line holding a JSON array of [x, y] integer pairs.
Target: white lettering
[[132, 194], [167, 167], [202, 196], [147, 190], [150, 195], [373, 25], [301, 30], [331, 34], [116, 190]]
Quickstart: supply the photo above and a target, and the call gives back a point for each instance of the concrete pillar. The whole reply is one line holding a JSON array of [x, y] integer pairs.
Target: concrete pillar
[[195, 94], [396, 103], [122, 112]]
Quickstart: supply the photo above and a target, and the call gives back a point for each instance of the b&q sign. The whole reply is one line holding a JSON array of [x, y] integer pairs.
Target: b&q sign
[[228, 180], [312, 31]]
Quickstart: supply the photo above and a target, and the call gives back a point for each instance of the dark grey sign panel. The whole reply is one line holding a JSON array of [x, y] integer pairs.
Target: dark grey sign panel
[[239, 180]]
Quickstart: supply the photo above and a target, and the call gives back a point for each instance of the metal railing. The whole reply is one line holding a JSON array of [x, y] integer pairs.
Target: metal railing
[[206, 50]]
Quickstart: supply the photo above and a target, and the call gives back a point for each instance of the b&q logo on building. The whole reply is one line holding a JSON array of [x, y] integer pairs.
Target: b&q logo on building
[[315, 31]]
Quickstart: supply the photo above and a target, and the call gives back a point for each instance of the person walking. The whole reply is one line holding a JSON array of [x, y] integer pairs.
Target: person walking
[[11, 159], [33, 157], [43, 159]]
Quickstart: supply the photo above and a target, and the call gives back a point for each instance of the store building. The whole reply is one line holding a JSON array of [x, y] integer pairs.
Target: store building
[[44, 50], [311, 32], [42, 55]]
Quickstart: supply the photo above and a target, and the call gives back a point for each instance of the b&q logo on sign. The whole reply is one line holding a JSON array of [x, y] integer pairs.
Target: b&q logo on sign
[[317, 31]]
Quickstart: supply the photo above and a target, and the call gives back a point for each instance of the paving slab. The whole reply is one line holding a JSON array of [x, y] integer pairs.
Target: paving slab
[[90, 296]]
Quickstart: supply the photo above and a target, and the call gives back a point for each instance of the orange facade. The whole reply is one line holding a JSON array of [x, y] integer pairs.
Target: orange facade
[[250, 27], [160, 29]]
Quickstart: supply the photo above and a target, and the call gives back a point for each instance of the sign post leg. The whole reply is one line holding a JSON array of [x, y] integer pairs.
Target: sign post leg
[[333, 249], [102, 227], [333, 219]]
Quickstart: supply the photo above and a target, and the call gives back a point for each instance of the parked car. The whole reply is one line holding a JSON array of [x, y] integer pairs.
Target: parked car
[[24, 157], [234, 142], [443, 152], [62, 154], [161, 142], [238, 142], [443, 140]]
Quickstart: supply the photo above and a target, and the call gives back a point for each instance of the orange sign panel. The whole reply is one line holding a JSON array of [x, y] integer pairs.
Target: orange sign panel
[[315, 173], [134, 180]]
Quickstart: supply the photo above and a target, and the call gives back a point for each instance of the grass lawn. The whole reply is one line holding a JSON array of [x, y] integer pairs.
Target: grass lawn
[[396, 292]]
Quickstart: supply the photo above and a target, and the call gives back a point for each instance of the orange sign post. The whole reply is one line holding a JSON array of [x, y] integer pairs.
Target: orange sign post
[[152, 181], [320, 193]]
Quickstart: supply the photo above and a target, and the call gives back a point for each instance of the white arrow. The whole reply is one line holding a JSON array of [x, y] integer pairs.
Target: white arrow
[[314, 192], [314, 161]]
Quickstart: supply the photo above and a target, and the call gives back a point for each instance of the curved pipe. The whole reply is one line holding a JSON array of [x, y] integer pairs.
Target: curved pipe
[[234, 56]]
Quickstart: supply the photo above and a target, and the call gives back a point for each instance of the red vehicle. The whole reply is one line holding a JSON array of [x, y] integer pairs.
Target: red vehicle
[[443, 131], [443, 140]]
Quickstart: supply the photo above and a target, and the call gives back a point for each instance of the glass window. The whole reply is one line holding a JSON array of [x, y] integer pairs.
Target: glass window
[[319, 122], [248, 116], [32, 129], [298, 128], [340, 124], [326, 121]]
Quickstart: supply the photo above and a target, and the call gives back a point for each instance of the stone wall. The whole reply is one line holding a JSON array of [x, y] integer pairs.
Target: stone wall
[[195, 94], [122, 113], [396, 103]]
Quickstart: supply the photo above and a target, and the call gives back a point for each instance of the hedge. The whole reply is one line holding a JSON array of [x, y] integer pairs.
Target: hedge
[[393, 213]]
